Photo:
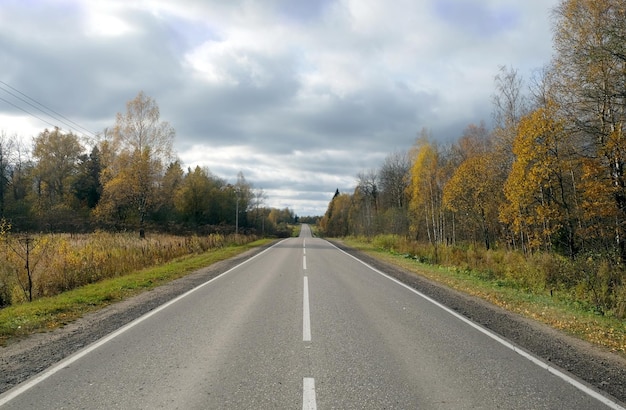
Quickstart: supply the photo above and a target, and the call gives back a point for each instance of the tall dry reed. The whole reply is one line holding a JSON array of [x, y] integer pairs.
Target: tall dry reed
[[60, 262]]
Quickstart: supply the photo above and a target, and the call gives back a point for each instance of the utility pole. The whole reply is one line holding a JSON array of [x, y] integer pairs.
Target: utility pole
[[237, 191], [237, 215]]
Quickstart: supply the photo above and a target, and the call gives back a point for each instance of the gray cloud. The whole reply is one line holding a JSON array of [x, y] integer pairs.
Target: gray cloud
[[300, 96]]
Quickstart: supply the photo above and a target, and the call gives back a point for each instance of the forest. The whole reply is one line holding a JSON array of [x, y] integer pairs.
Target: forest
[[129, 179], [547, 181]]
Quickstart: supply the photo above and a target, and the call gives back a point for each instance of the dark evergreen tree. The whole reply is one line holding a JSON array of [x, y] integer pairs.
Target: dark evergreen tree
[[87, 187]]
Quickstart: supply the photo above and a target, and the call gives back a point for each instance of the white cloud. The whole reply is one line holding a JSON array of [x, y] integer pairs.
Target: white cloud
[[100, 21], [20, 126]]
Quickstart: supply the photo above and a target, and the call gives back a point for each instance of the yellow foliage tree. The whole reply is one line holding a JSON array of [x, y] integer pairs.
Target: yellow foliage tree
[[134, 160], [472, 192], [541, 189], [57, 156], [425, 192], [129, 188], [336, 219]]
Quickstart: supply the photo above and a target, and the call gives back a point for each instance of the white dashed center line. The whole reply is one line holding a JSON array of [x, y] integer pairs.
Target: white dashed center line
[[308, 394], [306, 316]]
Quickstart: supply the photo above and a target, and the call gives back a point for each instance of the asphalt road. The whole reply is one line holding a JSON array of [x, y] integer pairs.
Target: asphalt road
[[302, 325]]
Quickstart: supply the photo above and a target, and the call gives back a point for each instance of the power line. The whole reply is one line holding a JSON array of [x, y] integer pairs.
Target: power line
[[46, 107], [46, 110], [27, 112]]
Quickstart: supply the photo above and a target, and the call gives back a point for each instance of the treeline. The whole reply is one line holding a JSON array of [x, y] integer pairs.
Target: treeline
[[128, 180], [549, 177]]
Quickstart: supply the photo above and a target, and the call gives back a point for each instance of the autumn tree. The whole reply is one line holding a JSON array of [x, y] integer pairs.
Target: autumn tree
[[57, 155], [121, 183], [425, 191], [590, 71], [142, 146], [472, 193], [172, 181], [475, 140], [335, 221], [118, 204], [541, 189], [141, 129], [281, 216], [194, 196]]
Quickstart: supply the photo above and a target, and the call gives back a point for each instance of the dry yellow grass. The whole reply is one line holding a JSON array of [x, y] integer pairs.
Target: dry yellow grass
[[61, 262]]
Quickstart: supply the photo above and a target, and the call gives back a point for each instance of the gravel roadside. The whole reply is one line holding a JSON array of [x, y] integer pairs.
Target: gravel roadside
[[602, 369]]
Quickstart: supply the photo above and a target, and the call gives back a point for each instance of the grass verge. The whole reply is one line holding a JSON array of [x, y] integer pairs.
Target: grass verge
[[556, 311], [52, 312]]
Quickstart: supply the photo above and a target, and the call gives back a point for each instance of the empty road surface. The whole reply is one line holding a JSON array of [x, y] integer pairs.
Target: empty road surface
[[301, 325]]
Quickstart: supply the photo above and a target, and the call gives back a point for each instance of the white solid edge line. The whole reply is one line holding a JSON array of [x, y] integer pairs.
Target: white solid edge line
[[536, 360], [32, 382], [306, 313], [308, 394]]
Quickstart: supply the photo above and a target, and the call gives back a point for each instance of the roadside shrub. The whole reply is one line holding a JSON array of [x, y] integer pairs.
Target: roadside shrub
[[283, 230], [387, 242], [593, 282], [600, 284]]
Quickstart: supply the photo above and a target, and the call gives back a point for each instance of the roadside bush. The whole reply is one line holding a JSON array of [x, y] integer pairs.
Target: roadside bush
[[591, 281], [387, 242], [600, 285], [283, 230]]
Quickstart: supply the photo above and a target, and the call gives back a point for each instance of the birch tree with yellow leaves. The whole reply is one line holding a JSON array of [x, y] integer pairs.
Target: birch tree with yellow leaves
[[425, 190], [141, 146]]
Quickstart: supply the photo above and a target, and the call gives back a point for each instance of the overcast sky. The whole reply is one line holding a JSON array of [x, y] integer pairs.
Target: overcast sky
[[299, 95]]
